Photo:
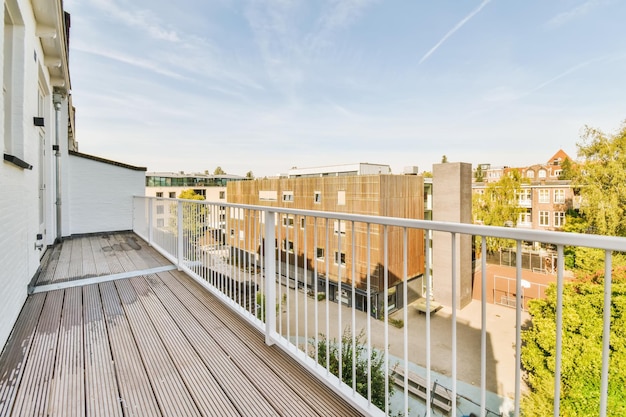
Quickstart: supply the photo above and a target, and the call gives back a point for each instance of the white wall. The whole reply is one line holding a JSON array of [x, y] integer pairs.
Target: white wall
[[19, 204], [101, 195]]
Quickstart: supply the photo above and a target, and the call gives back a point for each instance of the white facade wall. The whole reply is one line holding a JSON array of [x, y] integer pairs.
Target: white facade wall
[[101, 196], [362, 168], [24, 74]]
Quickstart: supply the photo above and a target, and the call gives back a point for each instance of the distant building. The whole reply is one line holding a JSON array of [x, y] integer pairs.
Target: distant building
[[171, 184], [380, 195], [362, 168], [544, 197]]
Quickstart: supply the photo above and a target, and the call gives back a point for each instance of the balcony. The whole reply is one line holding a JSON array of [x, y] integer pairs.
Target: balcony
[[178, 318]]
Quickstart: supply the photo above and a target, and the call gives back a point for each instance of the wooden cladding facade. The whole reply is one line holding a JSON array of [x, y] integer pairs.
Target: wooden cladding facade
[[329, 244]]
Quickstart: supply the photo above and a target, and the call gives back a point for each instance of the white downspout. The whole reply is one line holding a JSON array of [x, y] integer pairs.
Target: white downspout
[[57, 100]]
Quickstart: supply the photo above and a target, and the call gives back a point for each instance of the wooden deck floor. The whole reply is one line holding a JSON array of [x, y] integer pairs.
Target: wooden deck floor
[[157, 344]]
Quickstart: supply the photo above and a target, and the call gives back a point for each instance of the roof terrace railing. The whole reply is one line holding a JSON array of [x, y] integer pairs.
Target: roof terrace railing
[[324, 286]]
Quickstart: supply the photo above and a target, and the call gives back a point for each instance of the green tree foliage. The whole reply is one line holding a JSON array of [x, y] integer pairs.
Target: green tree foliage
[[602, 181], [498, 206], [568, 170], [250, 175], [194, 216], [583, 303], [427, 174], [444, 159], [479, 175], [377, 365], [219, 171]]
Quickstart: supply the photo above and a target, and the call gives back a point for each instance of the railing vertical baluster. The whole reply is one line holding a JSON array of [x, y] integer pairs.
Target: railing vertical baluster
[[405, 317], [606, 332], [327, 300], [454, 313], [315, 285], [270, 278], [559, 331], [179, 237], [353, 304], [305, 280], [483, 327], [386, 313], [518, 327], [369, 319], [288, 275], [150, 221], [428, 296], [339, 302], [296, 248], [280, 273]]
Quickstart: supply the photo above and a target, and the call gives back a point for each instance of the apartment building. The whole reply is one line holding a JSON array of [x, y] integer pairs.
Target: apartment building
[[171, 184], [343, 243], [544, 198]]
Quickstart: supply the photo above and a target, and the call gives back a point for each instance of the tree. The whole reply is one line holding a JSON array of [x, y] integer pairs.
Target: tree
[[479, 175], [219, 171], [427, 174], [583, 303], [250, 175], [498, 206], [377, 364], [602, 181], [567, 170], [194, 216], [444, 159]]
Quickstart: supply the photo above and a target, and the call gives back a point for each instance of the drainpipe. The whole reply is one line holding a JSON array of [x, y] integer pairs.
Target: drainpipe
[[57, 100]]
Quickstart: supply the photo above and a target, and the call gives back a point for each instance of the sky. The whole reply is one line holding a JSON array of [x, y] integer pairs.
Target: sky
[[266, 85]]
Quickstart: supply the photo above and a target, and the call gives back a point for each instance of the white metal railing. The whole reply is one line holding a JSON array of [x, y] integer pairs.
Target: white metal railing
[[327, 272]]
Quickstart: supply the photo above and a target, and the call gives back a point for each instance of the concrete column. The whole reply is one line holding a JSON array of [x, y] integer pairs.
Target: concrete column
[[452, 202]]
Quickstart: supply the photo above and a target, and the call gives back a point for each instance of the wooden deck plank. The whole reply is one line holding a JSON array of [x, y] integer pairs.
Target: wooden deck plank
[[136, 394], [284, 385], [89, 262], [101, 391], [15, 353], [33, 393], [67, 396], [153, 257], [206, 391], [168, 387], [76, 258], [245, 397], [100, 261], [62, 270], [110, 255], [49, 265]]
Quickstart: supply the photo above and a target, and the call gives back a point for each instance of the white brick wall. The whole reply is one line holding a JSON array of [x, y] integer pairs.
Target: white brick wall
[[101, 195]]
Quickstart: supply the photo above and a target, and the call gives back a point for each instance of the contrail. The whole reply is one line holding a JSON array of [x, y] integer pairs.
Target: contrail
[[454, 29]]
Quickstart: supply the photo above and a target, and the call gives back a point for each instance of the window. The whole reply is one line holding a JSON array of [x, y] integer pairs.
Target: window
[[222, 195], [530, 174], [339, 227], [287, 221], [525, 217], [542, 173], [524, 196], [544, 196], [557, 172], [341, 198], [288, 196], [159, 209], [544, 218], [232, 232], [340, 258], [172, 194], [559, 196], [160, 223], [319, 253], [317, 197], [287, 246], [559, 218], [159, 194], [302, 222]]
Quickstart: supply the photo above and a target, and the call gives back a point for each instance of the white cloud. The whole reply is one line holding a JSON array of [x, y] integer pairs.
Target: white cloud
[[575, 13], [138, 19]]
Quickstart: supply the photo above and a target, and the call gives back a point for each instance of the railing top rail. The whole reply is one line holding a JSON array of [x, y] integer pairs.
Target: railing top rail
[[612, 243]]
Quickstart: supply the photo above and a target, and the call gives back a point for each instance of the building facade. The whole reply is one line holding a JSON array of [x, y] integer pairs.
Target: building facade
[[545, 197], [344, 244]]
